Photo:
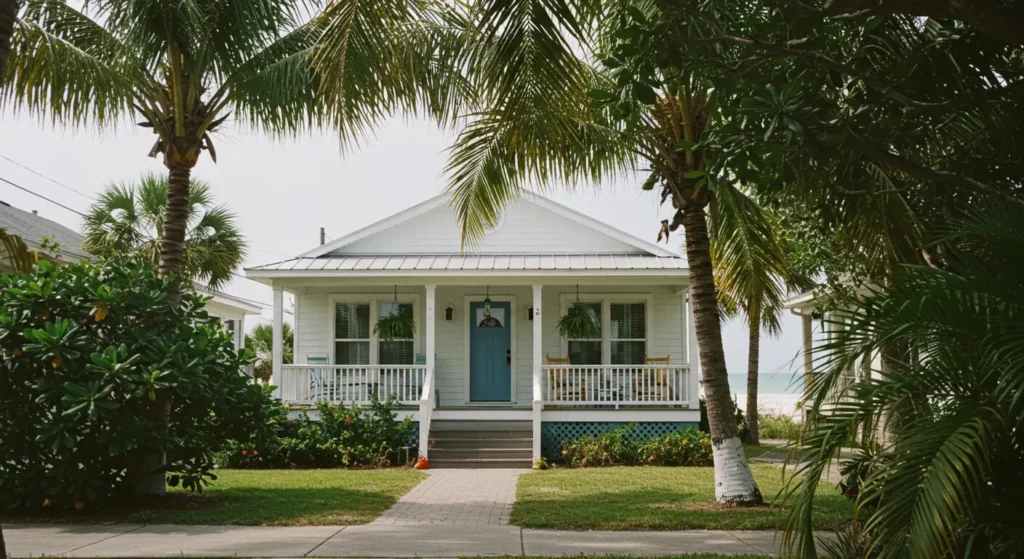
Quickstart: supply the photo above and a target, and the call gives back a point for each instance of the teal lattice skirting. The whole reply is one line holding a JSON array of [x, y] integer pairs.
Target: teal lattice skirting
[[553, 433]]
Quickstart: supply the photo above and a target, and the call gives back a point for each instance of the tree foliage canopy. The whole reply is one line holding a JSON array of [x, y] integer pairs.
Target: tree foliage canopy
[[86, 348]]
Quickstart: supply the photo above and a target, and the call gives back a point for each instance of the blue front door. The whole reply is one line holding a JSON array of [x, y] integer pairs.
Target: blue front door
[[490, 353]]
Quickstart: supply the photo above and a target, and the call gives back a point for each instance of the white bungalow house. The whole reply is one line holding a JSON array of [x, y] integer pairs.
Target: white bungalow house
[[486, 374]]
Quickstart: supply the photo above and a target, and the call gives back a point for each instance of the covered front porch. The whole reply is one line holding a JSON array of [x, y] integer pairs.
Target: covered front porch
[[489, 349]]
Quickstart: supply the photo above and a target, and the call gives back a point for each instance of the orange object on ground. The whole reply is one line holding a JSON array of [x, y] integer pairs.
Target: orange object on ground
[[422, 464]]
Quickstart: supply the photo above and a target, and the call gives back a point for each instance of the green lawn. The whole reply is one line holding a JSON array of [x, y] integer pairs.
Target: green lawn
[[650, 498], [270, 497]]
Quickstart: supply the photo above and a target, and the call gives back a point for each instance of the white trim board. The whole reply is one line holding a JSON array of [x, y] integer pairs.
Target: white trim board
[[620, 416]]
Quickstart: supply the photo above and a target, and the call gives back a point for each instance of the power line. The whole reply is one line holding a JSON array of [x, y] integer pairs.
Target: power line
[[54, 181], [18, 186]]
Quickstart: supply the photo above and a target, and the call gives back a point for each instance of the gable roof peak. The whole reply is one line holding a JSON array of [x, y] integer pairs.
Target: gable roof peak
[[443, 200]]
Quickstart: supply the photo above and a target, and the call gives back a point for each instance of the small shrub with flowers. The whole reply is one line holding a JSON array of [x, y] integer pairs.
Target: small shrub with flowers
[[621, 447], [342, 436]]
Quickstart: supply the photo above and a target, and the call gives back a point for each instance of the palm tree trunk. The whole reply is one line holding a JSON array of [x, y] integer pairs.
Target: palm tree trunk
[[172, 244], [753, 364], [8, 13], [151, 464], [734, 483]]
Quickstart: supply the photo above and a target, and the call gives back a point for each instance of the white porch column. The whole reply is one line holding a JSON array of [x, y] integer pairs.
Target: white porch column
[[807, 322], [427, 399], [693, 355], [431, 326], [538, 357], [278, 346]]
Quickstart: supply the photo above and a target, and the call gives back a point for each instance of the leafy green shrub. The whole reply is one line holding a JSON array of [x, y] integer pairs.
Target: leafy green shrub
[[620, 447], [341, 437], [86, 349], [741, 420], [778, 426]]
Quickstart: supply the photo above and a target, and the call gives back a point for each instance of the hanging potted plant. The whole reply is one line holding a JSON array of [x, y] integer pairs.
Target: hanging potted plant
[[398, 325], [578, 323]]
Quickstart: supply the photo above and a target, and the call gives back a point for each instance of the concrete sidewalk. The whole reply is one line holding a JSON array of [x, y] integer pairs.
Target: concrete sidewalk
[[372, 540]]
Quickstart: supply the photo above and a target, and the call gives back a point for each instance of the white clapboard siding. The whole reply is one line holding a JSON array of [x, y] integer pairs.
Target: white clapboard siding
[[525, 228]]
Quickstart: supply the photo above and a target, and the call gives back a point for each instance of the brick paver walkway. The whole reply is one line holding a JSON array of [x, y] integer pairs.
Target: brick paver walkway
[[458, 497]]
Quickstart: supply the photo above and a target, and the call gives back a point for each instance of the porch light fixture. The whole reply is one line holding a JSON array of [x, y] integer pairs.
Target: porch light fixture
[[488, 321], [449, 313], [529, 313]]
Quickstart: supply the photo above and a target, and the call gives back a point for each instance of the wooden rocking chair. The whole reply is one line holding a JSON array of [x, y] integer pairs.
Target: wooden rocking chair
[[563, 386], [653, 384]]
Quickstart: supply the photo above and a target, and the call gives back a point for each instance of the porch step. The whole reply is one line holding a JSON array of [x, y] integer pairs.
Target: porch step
[[481, 444], [480, 425], [475, 442], [477, 463], [444, 454]]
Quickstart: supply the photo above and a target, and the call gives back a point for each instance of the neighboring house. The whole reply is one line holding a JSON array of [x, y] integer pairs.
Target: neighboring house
[[486, 356], [33, 228], [821, 325], [229, 310]]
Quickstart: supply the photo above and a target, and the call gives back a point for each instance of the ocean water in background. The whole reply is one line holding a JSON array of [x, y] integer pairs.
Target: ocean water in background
[[776, 392]]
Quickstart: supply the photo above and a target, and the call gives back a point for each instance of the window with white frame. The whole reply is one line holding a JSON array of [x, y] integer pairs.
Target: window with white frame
[[352, 333], [397, 351], [587, 351], [628, 335]]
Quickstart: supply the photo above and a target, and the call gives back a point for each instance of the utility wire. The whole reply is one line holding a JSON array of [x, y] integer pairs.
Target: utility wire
[[54, 181], [18, 186]]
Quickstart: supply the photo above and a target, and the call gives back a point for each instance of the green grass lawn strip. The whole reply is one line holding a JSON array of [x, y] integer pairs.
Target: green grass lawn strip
[[653, 498]]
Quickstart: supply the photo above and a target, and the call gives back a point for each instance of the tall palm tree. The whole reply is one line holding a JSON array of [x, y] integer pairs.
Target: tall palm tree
[[546, 113], [8, 13], [750, 268], [129, 218], [184, 67]]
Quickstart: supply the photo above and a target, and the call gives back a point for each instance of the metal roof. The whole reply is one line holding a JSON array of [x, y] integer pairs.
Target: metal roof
[[441, 263]]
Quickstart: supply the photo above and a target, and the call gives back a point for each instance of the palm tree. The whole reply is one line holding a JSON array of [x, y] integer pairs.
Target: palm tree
[[546, 113], [8, 13], [750, 267], [261, 340], [947, 479], [129, 219], [184, 67]]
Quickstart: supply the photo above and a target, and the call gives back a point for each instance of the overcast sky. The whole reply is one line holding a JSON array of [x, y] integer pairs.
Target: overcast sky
[[284, 191]]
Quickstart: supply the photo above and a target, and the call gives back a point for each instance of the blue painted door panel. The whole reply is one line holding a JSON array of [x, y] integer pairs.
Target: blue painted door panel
[[490, 353]]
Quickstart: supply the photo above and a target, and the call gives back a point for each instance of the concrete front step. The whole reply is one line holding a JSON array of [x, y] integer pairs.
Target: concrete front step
[[480, 435], [480, 425], [470, 443], [481, 454], [438, 463]]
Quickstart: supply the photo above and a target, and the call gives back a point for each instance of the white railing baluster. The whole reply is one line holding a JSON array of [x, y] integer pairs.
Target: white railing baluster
[[615, 385]]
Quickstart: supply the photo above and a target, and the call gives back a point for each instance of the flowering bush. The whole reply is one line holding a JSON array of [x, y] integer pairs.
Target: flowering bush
[[86, 350], [341, 437], [621, 447]]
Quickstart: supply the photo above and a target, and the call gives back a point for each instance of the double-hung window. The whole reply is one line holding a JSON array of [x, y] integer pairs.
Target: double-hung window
[[352, 333], [628, 333], [397, 351], [587, 351], [354, 340], [622, 327]]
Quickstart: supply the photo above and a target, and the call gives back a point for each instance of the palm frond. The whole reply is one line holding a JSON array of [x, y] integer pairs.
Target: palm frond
[[15, 253], [66, 66]]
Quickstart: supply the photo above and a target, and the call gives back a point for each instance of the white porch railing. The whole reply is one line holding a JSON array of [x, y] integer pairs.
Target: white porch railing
[[616, 385], [352, 384]]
